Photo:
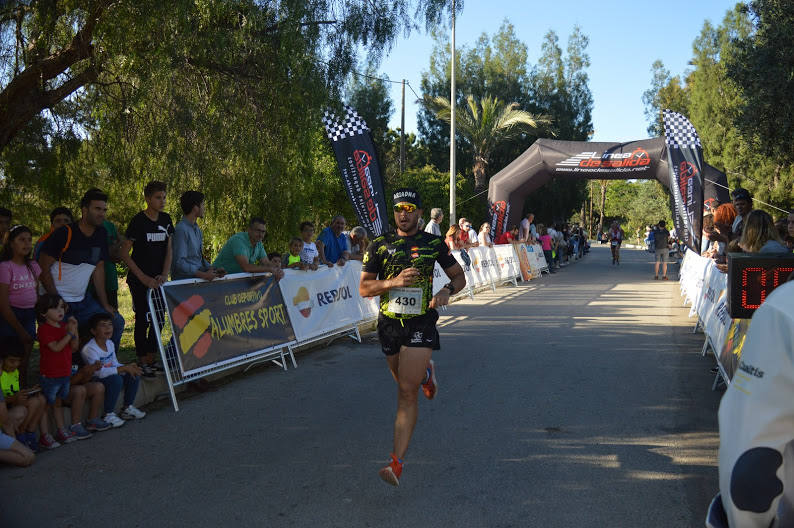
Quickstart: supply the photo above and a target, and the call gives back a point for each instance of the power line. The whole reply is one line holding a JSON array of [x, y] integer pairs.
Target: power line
[[384, 79], [754, 199]]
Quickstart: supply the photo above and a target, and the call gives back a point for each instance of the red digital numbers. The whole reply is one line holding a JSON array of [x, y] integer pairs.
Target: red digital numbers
[[756, 284]]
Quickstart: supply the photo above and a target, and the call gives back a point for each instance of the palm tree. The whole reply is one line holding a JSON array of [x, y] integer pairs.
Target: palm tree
[[486, 124]]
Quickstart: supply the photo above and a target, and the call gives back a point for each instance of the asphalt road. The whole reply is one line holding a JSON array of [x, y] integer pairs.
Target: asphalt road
[[579, 399]]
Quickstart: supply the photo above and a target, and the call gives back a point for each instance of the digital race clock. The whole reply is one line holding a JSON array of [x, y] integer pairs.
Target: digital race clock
[[751, 277]]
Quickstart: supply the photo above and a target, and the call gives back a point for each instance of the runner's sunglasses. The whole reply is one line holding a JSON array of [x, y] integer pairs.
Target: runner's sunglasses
[[404, 206]]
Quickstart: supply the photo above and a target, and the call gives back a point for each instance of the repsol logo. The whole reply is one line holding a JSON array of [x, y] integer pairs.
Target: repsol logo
[[332, 296]]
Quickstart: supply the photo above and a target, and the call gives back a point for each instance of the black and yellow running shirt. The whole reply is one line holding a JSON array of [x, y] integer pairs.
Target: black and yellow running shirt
[[389, 254]]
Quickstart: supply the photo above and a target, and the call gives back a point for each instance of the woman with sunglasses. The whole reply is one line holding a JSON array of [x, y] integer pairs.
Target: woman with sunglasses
[[398, 266], [19, 276]]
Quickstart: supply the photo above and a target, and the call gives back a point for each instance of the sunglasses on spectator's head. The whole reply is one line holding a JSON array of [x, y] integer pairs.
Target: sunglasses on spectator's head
[[404, 206]]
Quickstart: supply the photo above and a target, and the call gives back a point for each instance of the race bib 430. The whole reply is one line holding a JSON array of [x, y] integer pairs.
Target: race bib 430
[[405, 301]]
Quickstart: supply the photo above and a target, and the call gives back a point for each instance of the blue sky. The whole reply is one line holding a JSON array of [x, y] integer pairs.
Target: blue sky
[[625, 39]]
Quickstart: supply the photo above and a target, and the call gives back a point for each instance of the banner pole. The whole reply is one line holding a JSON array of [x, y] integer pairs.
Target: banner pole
[[452, 104]]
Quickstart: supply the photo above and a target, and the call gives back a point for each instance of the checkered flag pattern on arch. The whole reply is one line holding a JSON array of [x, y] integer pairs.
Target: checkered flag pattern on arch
[[679, 132], [351, 125]]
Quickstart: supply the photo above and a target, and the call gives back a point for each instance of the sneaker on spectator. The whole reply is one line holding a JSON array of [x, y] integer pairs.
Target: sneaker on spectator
[[65, 436], [132, 413], [113, 419], [148, 371], [48, 442], [80, 432], [97, 424], [156, 366]]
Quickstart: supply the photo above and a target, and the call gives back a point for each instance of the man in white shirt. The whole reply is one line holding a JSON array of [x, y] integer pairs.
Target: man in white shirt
[[527, 231], [434, 225], [756, 456]]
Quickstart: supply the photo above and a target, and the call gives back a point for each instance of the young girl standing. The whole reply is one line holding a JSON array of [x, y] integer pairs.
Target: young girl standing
[[18, 279], [56, 342]]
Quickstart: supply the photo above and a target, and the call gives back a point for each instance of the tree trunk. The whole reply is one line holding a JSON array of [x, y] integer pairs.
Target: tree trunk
[[480, 179], [603, 184], [25, 95], [590, 220]]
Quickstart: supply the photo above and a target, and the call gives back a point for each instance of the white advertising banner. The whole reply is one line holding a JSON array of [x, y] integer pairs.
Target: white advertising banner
[[706, 298], [692, 278], [483, 265], [718, 322], [471, 279], [707, 289], [323, 300], [507, 265], [537, 260]]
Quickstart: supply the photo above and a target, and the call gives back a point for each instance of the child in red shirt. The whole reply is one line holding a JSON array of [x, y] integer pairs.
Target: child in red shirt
[[56, 342]]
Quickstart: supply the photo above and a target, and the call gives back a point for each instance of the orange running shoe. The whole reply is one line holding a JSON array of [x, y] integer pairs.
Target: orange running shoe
[[391, 473], [430, 386]]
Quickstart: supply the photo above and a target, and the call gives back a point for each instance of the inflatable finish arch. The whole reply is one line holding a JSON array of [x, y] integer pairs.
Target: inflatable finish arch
[[547, 158]]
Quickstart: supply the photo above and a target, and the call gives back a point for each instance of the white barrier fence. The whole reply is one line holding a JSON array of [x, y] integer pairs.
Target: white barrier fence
[[318, 304], [706, 289]]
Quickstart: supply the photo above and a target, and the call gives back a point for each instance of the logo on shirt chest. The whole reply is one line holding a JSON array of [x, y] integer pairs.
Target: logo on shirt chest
[[156, 237]]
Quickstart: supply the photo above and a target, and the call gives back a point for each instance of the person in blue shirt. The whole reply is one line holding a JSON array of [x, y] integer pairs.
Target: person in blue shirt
[[188, 260], [333, 242]]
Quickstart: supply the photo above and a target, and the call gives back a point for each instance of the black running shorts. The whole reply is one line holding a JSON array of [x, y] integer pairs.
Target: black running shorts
[[419, 332]]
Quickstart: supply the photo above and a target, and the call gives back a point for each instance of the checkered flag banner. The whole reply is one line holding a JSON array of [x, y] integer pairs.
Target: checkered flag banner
[[679, 132], [359, 168], [685, 163], [351, 125]]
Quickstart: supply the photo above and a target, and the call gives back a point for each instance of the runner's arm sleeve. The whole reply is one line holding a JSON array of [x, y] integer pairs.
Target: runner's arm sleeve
[[445, 258], [756, 419]]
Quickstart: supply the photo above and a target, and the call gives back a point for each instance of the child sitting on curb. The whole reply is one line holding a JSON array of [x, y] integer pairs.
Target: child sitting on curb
[[12, 451], [112, 373], [13, 354]]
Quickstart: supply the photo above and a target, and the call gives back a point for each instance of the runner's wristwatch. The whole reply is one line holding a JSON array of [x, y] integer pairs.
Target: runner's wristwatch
[[450, 287]]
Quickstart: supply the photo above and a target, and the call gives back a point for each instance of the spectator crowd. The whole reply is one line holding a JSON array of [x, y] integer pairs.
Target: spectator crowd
[[738, 228], [62, 291]]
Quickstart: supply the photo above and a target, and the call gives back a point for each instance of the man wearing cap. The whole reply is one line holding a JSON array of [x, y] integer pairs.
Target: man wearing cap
[[743, 203], [398, 267]]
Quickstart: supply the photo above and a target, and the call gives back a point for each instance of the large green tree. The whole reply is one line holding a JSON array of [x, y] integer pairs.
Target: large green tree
[[717, 105], [219, 95], [485, 124], [763, 67], [498, 66], [559, 88], [495, 66]]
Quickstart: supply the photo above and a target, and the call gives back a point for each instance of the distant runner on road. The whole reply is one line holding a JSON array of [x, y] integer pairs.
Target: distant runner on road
[[615, 240], [398, 267]]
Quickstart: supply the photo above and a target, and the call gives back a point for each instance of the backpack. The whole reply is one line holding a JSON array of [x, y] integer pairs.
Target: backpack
[[64, 248]]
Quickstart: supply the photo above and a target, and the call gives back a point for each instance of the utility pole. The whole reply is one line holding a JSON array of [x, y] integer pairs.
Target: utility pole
[[452, 103], [402, 134]]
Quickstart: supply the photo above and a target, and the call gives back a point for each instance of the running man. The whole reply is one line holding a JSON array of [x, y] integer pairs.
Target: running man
[[615, 240], [398, 266]]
